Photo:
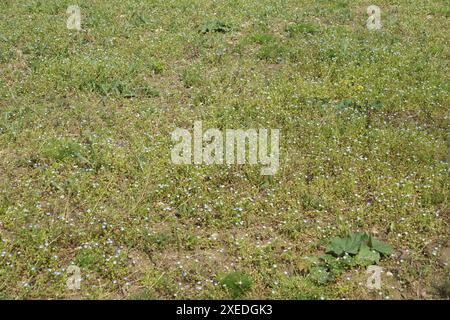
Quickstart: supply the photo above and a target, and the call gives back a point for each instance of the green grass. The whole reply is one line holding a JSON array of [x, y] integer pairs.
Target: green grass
[[85, 123]]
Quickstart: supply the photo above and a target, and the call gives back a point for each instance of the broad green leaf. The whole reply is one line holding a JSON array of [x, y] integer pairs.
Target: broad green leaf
[[237, 283], [336, 246], [366, 257], [380, 246], [363, 247], [354, 241], [349, 244]]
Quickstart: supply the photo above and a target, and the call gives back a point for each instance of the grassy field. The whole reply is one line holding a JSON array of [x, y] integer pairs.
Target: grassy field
[[86, 177]]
